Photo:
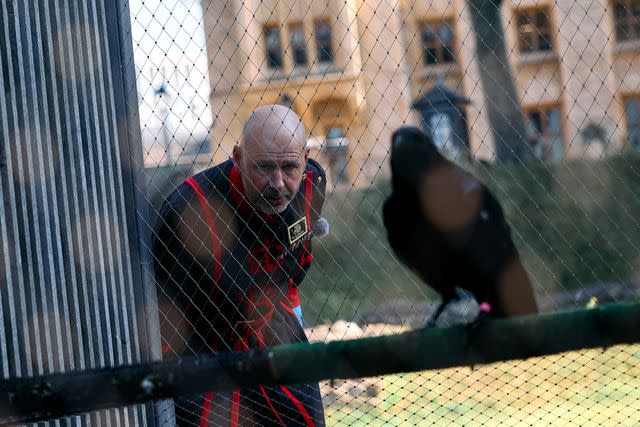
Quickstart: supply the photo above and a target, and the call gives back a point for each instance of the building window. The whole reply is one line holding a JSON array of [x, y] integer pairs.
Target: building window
[[437, 42], [627, 16], [534, 30], [323, 42], [632, 116], [298, 45], [337, 148], [544, 131], [273, 47]]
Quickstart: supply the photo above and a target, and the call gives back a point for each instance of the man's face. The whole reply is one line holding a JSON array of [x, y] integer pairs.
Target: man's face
[[271, 170]]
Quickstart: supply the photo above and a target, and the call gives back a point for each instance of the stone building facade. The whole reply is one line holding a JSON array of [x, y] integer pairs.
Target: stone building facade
[[353, 69]]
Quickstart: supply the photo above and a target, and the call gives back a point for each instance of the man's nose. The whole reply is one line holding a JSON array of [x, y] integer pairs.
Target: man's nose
[[277, 179]]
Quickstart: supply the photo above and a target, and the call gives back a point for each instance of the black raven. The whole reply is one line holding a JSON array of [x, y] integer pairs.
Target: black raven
[[445, 225]]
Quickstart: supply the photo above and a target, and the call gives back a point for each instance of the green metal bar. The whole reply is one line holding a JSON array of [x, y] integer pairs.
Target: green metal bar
[[33, 399], [488, 342]]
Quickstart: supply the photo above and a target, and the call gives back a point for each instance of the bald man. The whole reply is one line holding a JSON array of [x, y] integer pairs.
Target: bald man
[[231, 249]]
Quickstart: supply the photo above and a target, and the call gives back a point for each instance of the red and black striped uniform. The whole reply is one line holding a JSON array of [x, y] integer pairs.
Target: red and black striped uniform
[[228, 280]]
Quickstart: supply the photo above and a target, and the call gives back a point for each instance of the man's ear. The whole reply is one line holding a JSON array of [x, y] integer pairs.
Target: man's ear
[[237, 155]]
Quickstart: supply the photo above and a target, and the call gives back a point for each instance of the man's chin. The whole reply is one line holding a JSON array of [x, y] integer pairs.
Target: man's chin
[[273, 208]]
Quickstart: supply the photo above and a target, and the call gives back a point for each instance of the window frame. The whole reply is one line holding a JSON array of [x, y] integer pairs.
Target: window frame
[[438, 45], [630, 126], [338, 156], [630, 23], [268, 50], [295, 48], [525, 39], [545, 134], [321, 45]]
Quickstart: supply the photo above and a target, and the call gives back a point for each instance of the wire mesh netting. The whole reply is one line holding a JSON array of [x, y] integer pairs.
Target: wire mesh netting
[[540, 99], [251, 246]]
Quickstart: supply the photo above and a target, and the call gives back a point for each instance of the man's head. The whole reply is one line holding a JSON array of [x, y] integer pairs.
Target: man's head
[[271, 157]]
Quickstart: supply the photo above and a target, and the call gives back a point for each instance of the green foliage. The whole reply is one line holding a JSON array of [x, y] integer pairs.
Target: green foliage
[[575, 223], [354, 267]]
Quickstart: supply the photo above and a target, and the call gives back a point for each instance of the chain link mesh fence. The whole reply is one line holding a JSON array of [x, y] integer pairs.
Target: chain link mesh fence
[[539, 99], [560, 76]]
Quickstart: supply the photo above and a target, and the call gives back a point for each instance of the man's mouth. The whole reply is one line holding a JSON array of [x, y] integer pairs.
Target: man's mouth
[[275, 198]]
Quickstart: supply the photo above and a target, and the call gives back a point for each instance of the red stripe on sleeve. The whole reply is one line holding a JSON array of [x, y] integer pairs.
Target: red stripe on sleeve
[[307, 256], [264, 393], [300, 406], [206, 410], [235, 408], [215, 242], [293, 295], [286, 307], [308, 194], [208, 216]]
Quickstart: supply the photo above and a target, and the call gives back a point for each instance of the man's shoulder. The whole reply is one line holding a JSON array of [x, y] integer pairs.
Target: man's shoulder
[[213, 178], [314, 167], [318, 180]]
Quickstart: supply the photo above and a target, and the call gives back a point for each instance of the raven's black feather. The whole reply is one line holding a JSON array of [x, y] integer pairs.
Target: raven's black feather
[[446, 225]]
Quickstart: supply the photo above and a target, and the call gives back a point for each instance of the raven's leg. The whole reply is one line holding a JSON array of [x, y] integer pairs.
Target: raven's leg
[[433, 319]]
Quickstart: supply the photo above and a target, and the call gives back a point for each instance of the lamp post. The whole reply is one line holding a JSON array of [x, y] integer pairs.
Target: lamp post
[[162, 95], [444, 118]]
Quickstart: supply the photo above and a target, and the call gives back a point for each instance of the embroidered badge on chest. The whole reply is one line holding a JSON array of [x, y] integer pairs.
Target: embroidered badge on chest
[[297, 230]]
